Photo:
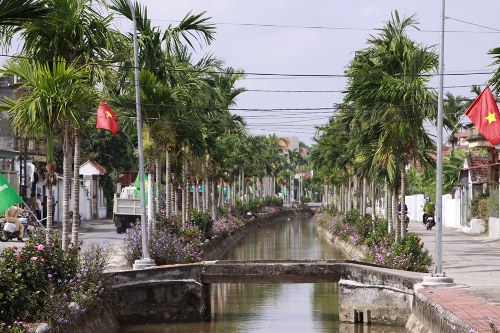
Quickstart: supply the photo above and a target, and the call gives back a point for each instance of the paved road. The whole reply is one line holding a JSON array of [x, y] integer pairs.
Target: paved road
[[469, 259], [100, 232]]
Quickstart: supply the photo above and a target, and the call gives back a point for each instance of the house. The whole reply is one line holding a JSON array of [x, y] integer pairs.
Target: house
[[96, 205]]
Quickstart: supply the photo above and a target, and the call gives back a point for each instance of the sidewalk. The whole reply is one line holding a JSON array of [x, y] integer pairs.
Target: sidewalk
[[474, 264]]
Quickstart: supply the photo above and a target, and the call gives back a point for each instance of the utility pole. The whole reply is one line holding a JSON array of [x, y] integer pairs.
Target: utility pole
[[438, 271], [439, 277], [145, 261]]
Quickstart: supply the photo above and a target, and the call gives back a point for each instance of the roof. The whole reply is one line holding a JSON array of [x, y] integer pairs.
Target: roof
[[92, 168]]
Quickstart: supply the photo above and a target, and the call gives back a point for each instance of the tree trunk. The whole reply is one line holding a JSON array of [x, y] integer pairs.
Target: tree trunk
[[387, 197], [349, 196], [395, 218], [168, 185], [364, 196], [214, 193], [175, 198], [158, 185], [151, 204], [76, 190], [374, 208], [221, 193], [403, 200], [67, 149], [205, 184], [183, 186]]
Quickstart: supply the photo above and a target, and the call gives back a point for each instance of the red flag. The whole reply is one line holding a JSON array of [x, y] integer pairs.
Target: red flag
[[484, 114], [106, 118]]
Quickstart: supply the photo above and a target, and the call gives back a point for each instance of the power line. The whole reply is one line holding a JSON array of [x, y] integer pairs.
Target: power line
[[259, 74], [323, 27], [471, 23]]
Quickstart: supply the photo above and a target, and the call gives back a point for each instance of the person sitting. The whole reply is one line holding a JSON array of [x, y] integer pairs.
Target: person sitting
[[11, 215]]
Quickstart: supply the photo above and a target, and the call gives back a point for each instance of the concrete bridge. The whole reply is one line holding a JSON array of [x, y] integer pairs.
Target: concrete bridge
[[181, 293]]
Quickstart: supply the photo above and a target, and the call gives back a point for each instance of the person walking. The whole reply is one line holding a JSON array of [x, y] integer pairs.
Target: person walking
[[38, 207]]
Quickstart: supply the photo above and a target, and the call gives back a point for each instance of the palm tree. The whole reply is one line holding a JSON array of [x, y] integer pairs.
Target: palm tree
[[454, 109], [76, 32], [386, 85], [50, 93], [14, 13]]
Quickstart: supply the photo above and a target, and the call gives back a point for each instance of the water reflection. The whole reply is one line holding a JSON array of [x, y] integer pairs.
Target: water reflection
[[276, 308]]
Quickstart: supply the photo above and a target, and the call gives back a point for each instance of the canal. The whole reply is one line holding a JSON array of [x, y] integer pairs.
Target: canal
[[276, 308]]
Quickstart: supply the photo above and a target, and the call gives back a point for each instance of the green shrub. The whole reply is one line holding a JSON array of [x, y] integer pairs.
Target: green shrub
[[272, 201], [353, 216], [481, 208], [255, 205], [240, 208], [378, 233], [38, 284], [305, 199], [408, 254], [202, 220]]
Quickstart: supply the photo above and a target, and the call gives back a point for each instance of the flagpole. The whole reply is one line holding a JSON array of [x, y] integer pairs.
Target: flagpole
[[145, 261]]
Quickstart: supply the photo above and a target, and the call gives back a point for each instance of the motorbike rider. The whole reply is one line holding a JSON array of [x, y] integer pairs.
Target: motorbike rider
[[11, 215], [428, 210]]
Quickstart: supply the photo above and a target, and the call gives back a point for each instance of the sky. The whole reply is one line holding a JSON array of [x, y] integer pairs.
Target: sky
[[319, 37]]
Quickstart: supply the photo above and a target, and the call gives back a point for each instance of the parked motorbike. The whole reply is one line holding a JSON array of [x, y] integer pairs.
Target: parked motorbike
[[9, 230]]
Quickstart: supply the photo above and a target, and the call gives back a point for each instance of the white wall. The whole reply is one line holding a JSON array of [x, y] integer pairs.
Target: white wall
[[451, 211], [85, 202], [415, 204]]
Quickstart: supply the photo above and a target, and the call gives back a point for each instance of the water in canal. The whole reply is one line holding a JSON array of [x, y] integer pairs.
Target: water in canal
[[275, 308]]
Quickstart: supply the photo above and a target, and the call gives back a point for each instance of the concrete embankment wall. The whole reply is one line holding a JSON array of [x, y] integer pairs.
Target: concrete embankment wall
[[410, 308], [430, 317], [372, 296]]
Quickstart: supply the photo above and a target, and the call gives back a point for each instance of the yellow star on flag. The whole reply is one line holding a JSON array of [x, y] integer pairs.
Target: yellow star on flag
[[491, 117], [108, 114]]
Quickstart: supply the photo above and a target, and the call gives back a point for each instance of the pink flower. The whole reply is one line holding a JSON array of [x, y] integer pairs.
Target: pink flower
[[34, 258], [39, 247], [15, 248]]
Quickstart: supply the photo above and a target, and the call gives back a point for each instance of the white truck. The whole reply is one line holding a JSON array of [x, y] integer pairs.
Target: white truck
[[126, 209]]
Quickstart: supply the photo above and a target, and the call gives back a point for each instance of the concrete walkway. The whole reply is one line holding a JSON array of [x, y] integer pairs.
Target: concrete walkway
[[474, 264]]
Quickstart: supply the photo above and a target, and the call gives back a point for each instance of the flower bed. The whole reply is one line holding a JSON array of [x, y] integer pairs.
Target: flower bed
[[51, 286], [407, 253]]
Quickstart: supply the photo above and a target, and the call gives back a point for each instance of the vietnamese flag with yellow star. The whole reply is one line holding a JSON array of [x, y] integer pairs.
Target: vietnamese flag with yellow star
[[106, 118], [484, 114]]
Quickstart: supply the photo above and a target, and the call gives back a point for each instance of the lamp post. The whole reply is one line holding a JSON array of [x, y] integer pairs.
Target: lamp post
[[145, 261], [438, 271], [438, 275]]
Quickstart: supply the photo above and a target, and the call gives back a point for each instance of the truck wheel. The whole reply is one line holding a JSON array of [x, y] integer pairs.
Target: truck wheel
[[119, 230]]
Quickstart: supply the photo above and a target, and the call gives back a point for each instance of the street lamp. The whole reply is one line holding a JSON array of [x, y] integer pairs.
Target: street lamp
[[439, 276], [145, 261]]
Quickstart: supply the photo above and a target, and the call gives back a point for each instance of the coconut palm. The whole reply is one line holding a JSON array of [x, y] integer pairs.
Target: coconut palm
[[14, 13], [77, 32], [50, 93], [387, 87], [454, 109]]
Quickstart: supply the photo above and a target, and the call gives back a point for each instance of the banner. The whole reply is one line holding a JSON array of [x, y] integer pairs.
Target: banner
[[8, 196]]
